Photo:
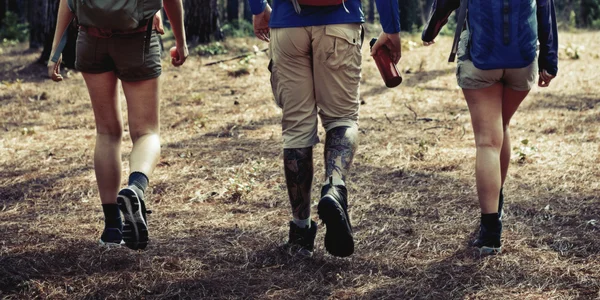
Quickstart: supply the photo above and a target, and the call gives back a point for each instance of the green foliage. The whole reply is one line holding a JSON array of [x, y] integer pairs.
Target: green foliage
[[524, 151], [238, 28], [12, 30], [215, 48], [572, 20], [450, 27]]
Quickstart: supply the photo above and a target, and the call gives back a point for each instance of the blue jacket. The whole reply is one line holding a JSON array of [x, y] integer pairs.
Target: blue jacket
[[547, 29], [284, 15]]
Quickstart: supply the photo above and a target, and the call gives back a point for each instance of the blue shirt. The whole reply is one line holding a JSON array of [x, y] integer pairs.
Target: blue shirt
[[284, 15]]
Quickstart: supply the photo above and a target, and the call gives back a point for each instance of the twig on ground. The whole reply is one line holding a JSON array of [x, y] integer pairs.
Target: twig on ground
[[438, 127], [234, 58], [388, 118], [411, 109]]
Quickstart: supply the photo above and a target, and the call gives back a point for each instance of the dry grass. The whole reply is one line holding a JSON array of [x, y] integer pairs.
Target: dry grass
[[220, 206]]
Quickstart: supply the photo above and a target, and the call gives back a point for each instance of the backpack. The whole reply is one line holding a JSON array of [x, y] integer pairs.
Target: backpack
[[502, 33], [114, 14]]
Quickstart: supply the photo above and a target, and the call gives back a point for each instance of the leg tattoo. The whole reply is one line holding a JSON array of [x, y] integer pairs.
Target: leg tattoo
[[298, 165], [340, 146]]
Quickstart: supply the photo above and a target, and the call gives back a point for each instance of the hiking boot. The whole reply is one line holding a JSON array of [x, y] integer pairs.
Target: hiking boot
[[135, 229], [302, 240], [333, 210], [111, 238], [501, 205], [488, 241]]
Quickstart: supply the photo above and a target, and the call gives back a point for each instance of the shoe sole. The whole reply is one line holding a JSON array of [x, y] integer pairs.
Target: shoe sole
[[109, 245], [297, 251], [135, 229], [338, 234], [485, 250]]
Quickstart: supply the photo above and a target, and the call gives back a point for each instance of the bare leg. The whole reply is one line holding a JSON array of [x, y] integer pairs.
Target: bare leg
[[485, 107], [511, 100], [143, 110], [109, 130]]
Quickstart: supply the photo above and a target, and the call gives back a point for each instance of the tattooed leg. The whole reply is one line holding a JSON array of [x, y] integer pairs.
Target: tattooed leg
[[298, 164], [340, 146]]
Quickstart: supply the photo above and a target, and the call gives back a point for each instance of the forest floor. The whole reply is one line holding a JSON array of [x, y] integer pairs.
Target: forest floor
[[220, 204]]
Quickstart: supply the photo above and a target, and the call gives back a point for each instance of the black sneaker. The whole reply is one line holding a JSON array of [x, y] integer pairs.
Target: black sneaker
[[501, 205], [333, 210], [302, 240], [111, 237], [488, 241], [135, 229]]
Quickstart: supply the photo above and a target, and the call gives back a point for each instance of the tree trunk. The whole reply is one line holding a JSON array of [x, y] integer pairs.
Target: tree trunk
[[38, 14], [44, 32], [233, 10], [247, 11], [202, 21], [371, 15], [48, 28]]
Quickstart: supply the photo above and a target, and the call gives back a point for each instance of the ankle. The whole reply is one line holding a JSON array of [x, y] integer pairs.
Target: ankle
[[139, 180], [302, 223]]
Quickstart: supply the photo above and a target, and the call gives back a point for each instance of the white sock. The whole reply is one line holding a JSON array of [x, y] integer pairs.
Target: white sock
[[302, 223], [335, 181]]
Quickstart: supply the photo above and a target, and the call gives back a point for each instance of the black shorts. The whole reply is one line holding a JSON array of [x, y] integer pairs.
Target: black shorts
[[125, 54]]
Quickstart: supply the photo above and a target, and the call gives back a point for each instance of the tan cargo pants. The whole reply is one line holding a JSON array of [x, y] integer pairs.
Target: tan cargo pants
[[315, 68]]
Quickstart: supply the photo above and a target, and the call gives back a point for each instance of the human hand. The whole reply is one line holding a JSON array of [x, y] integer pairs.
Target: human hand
[[392, 41], [428, 43], [545, 78], [157, 23], [182, 54], [54, 69], [261, 24]]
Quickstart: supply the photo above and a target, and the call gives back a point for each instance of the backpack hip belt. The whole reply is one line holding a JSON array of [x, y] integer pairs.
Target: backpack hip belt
[[107, 33]]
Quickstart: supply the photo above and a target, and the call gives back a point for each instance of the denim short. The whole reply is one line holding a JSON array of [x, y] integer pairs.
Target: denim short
[[470, 77]]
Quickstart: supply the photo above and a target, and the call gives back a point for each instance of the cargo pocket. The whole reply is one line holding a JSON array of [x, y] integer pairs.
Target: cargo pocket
[[342, 46], [274, 88]]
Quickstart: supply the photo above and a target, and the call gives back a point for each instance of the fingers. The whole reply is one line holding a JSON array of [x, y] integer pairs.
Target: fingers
[[158, 24], [177, 61], [263, 34], [54, 72], [395, 51], [395, 56], [182, 55], [428, 43], [380, 42], [545, 78], [180, 59]]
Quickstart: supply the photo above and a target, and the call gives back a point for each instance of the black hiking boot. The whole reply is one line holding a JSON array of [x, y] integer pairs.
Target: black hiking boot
[[111, 238], [135, 230], [333, 210], [488, 241], [301, 240]]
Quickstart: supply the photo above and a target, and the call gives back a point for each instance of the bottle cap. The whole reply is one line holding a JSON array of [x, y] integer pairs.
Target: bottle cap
[[373, 41]]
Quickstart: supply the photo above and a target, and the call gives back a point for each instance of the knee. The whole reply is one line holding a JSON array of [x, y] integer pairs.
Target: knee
[[490, 142], [113, 132]]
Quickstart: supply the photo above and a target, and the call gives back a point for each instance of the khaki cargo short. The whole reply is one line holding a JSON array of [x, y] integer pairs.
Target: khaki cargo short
[[125, 55], [470, 77], [315, 71]]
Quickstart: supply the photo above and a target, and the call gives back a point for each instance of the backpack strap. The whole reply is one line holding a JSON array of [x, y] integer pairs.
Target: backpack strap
[[460, 23], [149, 33], [61, 45]]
